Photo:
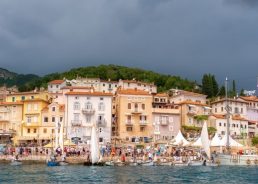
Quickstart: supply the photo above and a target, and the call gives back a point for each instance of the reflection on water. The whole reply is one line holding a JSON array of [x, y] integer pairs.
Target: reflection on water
[[139, 174]]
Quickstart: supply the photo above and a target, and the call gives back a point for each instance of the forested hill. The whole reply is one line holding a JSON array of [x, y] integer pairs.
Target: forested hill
[[105, 72]]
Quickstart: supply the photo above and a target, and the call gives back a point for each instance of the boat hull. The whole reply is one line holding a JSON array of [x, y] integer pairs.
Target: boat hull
[[241, 160], [52, 164]]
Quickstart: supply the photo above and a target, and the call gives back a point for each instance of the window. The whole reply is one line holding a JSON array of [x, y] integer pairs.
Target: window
[[28, 130], [51, 86], [221, 109], [29, 119], [32, 97], [23, 98], [57, 86], [100, 130], [142, 129], [34, 130], [219, 124], [44, 130], [88, 119], [76, 106], [101, 106], [35, 107], [129, 129], [143, 106], [45, 119], [224, 124], [88, 105], [242, 111], [53, 109], [100, 139], [29, 107], [13, 99], [101, 98], [129, 105], [215, 110], [76, 116], [236, 110], [53, 119], [61, 119], [53, 131]]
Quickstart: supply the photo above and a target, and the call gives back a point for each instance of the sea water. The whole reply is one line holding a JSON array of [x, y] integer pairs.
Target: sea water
[[127, 174]]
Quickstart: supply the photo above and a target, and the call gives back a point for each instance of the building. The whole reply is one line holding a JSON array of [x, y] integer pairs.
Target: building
[[177, 96], [83, 109], [33, 103], [21, 96], [238, 116], [134, 115], [165, 118], [52, 118], [10, 120], [55, 86], [238, 125], [105, 86], [134, 84]]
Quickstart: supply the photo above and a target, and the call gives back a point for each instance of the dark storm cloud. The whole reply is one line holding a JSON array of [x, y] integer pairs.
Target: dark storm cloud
[[181, 37]]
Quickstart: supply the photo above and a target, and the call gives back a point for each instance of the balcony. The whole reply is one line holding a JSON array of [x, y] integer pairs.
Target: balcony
[[192, 112], [7, 132], [143, 123], [129, 123], [101, 123], [136, 111], [76, 123], [88, 111], [31, 124]]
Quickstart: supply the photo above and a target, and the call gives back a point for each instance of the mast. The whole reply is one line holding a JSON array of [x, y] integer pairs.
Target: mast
[[228, 112]]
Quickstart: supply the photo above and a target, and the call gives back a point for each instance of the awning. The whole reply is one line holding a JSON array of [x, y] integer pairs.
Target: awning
[[207, 108]]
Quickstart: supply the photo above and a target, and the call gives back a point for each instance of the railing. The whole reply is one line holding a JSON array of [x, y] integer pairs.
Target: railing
[[143, 122], [101, 123], [192, 112], [129, 123], [88, 111], [76, 123], [136, 111]]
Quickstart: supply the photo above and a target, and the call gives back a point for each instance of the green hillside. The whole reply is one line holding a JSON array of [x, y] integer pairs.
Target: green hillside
[[105, 72]]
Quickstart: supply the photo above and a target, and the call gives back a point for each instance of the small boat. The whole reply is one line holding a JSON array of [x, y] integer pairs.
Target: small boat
[[63, 163], [148, 163], [165, 163], [180, 163], [109, 163], [52, 163], [196, 163], [133, 164], [119, 163], [16, 162]]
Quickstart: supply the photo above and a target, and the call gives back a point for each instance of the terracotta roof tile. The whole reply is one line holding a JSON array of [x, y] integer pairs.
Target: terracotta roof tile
[[249, 98], [56, 82], [89, 93], [192, 103], [133, 92]]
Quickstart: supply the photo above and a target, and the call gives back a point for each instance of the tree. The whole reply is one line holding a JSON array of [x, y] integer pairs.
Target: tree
[[242, 92], [209, 85]]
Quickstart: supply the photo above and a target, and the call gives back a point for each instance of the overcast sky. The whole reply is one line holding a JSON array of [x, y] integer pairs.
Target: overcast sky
[[177, 37]]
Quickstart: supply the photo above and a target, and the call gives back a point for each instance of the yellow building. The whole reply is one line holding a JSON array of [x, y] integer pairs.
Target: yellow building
[[134, 111], [33, 103], [10, 120], [52, 117], [18, 97]]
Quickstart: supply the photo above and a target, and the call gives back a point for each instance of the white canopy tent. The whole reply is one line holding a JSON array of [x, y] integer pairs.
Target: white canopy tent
[[216, 141], [180, 140], [232, 142]]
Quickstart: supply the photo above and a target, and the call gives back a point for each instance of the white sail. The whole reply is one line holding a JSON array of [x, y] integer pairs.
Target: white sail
[[61, 136], [205, 140], [56, 135], [94, 145]]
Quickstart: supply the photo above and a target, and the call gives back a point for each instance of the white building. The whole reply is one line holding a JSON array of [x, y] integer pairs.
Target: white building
[[56, 85], [238, 113], [134, 84], [179, 96], [83, 109]]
